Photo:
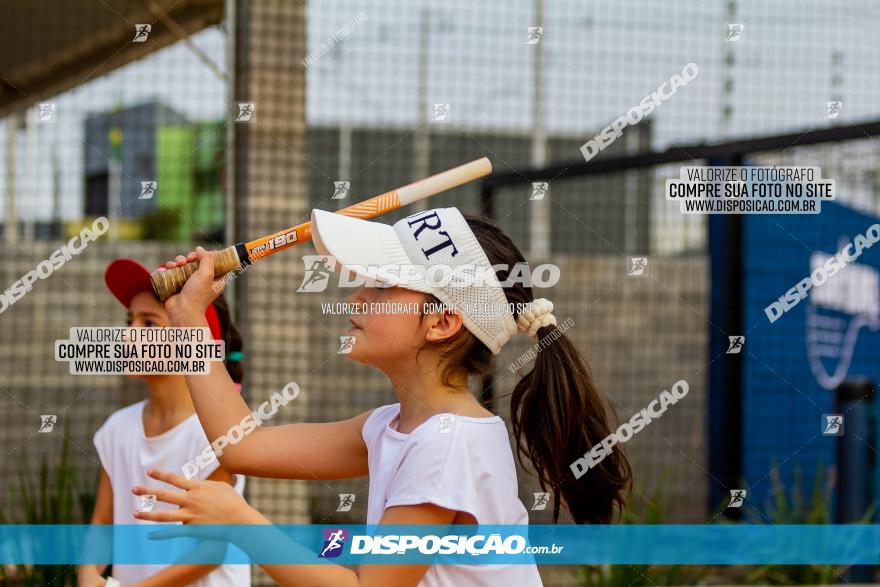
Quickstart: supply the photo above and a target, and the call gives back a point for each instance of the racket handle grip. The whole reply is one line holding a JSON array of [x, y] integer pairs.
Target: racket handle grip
[[168, 282]]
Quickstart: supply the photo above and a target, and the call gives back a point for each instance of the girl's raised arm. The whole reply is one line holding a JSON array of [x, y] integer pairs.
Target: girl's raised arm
[[333, 450]]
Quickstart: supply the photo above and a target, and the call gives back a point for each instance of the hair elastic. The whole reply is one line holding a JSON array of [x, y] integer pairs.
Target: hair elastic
[[537, 315], [235, 356]]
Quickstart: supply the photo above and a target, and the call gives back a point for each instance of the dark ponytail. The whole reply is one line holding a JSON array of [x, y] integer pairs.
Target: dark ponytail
[[232, 338], [557, 414]]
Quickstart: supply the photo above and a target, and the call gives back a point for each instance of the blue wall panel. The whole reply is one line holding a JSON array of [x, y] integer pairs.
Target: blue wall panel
[[785, 392]]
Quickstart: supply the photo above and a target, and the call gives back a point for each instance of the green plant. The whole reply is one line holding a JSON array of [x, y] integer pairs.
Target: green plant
[[791, 507], [650, 511], [785, 506], [53, 499]]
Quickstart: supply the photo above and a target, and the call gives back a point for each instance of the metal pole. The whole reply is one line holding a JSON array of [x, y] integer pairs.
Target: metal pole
[[422, 146], [343, 171], [854, 400], [31, 159], [724, 424], [630, 188], [114, 189], [230, 128], [539, 226], [115, 137], [238, 87], [727, 62], [56, 231], [11, 229]]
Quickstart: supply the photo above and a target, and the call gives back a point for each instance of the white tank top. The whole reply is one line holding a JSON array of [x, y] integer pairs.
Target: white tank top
[[456, 462], [126, 454]]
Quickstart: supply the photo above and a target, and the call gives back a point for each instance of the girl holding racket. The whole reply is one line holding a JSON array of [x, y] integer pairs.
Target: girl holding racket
[[161, 431], [436, 456]]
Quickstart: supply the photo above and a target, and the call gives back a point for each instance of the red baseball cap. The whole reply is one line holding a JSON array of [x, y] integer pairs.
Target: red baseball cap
[[125, 278]]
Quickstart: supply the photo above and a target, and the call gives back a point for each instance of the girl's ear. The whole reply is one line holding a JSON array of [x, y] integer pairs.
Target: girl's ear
[[443, 325]]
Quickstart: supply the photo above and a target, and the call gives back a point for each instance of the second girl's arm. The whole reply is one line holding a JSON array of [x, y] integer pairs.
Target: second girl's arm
[[90, 574], [333, 450]]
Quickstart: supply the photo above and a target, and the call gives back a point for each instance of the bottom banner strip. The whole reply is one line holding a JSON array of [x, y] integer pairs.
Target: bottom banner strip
[[734, 544]]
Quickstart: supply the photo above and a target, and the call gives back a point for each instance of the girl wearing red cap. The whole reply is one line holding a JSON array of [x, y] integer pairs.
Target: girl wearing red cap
[[160, 431]]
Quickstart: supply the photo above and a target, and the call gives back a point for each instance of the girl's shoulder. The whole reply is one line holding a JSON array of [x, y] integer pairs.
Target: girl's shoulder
[[386, 412], [119, 430], [377, 420], [125, 418]]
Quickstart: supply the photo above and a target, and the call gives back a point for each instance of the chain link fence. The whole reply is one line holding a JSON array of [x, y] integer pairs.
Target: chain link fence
[[221, 122]]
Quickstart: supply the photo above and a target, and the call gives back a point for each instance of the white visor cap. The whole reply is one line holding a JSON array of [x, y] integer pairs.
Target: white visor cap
[[438, 237]]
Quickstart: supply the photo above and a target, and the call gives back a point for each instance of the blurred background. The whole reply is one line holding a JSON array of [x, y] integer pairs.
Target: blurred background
[[220, 121]]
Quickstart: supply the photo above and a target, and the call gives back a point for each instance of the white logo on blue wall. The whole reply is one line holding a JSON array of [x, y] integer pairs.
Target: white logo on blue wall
[[836, 312]]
